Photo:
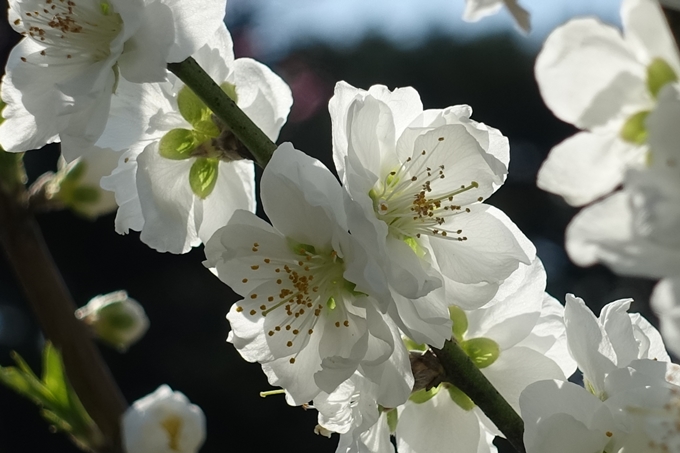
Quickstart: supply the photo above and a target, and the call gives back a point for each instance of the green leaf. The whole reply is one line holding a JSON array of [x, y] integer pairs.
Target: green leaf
[[178, 144], [60, 404], [203, 176], [659, 74], [23, 384], [54, 376]]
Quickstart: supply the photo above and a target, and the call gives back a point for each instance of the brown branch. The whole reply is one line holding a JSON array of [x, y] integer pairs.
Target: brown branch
[[53, 306]]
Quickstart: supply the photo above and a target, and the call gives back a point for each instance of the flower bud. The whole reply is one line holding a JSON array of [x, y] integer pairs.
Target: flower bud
[[116, 319], [76, 183], [163, 422]]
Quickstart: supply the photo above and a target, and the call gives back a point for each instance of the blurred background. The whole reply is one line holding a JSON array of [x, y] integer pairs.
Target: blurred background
[[312, 44]]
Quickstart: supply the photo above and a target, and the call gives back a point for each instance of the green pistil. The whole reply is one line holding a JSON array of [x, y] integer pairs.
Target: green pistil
[[422, 396]]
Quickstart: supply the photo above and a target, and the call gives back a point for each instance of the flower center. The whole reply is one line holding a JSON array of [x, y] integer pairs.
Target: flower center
[[306, 289], [413, 200], [71, 30]]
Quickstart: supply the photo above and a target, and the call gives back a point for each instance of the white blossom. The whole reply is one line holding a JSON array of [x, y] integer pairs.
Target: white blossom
[[641, 414], [633, 231], [181, 176], [612, 341], [605, 82], [163, 422], [418, 179], [60, 77], [309, 313]]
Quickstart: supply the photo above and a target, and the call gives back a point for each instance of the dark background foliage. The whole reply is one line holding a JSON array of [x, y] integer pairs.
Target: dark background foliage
[[185, 346]]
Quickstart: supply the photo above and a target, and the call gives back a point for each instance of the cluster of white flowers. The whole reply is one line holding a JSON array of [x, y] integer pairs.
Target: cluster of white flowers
[[623, 90], [354, 280]]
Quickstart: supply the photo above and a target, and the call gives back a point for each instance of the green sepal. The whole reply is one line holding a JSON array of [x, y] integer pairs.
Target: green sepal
[[634, 130], [203, 176], [422, 396], [460, 398], [659, 74], [482, 351], [460, 322], [191, 107], [178, 144], [412, 345]]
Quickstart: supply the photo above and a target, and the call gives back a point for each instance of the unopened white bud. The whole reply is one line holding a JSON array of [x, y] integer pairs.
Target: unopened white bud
[[163, 422], [116, 318]]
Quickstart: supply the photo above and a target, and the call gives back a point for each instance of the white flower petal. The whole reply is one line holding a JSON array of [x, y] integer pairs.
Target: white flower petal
[[518, 367], [588, 343], [195, 23], [436, 425], [262, 95], [167, 202], [587, 73], [647, 32], [234, 189], [584, 167], [319, 188], [493, 249]]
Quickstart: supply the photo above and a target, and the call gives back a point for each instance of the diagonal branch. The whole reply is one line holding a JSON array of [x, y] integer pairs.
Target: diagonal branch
[[53, 306], [464, 374], [221, 105]]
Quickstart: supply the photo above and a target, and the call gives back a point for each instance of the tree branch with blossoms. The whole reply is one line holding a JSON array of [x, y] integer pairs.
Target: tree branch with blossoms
[[353, 283]]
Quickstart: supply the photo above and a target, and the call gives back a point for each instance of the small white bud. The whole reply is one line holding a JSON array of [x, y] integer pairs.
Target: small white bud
[[163, 422], [116, 319]]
